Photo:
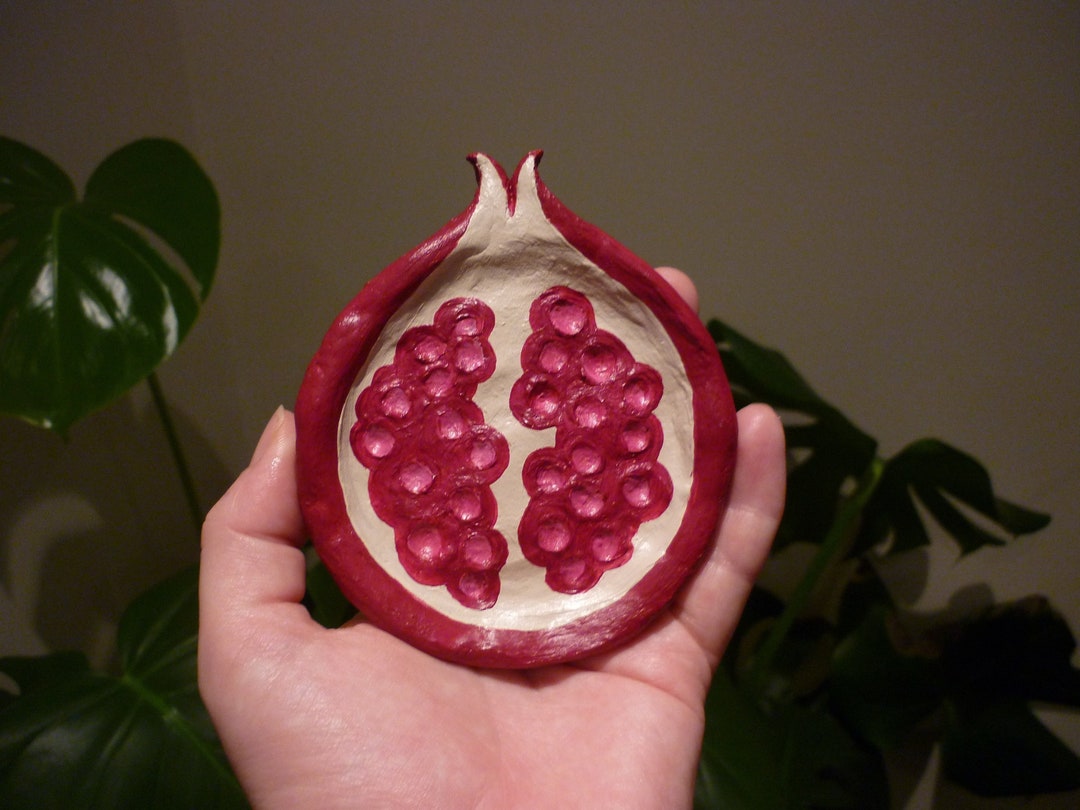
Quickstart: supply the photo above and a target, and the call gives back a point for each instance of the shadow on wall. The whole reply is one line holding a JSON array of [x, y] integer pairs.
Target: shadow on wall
[[88, 523]]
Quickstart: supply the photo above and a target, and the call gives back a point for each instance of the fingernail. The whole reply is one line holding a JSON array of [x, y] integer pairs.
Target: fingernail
[[269, 435]]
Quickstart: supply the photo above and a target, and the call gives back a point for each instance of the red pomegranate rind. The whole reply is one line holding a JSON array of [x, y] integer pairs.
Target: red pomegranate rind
[[394, 604]]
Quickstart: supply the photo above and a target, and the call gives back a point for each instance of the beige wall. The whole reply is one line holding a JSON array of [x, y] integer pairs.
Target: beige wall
[[889, 194]]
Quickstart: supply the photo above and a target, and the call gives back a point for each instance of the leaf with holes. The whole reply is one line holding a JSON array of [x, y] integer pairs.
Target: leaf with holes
[[954, 489], [1002, 749], [95, 293]]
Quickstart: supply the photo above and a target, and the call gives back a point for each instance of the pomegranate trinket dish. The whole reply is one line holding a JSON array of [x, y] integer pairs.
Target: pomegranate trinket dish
[[515, 443]]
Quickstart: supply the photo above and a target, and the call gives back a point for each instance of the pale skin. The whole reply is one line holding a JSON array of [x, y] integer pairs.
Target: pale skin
[[353, 717]]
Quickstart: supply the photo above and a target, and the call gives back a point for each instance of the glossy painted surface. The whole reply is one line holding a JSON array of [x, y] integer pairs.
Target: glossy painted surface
[[644, 524]]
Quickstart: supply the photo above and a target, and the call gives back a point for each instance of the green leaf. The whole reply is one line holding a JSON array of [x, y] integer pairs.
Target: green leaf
[[739, 764], [1021, 650], [864, 592], [89, 302], [761, 610], [28, 178], [943, 479], [1001, 749], [798, 758], [77, 738], [825, 768], [826, 449], [31, 673], [882, 684], [763, 373], [324, 600], [158, 184], [984, 671], [814, 487]]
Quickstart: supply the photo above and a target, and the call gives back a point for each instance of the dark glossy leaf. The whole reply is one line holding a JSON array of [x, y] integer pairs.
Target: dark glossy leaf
[[77, 738], [739, 766], [31, 673], [762, 608], [158, 184], [35, 672], [764, 374], [826, 450], [1022, 650], [882, 685], [1001, 749], [814, 487], [1019, 519], [89, 303], [324, 599], [798, 758], [943, 479], [29, 179], [864, 593], [761, 374], [967, 534], [800, 666], [826, 769]]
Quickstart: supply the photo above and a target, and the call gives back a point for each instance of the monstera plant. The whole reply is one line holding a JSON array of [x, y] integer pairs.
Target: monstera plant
[[97, 290], [809, 699]]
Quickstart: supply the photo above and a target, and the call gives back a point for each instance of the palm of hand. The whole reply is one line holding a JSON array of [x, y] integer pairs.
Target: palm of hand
[[352, 717], [379, 717]]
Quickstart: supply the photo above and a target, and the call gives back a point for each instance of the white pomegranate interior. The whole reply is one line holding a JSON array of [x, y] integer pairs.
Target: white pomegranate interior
[[507, 262]]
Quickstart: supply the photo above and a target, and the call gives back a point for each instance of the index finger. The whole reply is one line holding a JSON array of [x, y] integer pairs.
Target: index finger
[[682, 285], [252, 538]]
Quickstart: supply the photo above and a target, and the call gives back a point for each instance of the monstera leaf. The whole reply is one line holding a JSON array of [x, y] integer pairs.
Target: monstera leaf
[[79, 738], [829, 454], [796, 758], [981, 675], [827, 450], [954, 489], [995, 668], [95, 293]]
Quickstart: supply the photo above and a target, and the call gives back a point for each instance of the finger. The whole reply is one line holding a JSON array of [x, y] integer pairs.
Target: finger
[[682, 284], [710, 606], [251, 539]]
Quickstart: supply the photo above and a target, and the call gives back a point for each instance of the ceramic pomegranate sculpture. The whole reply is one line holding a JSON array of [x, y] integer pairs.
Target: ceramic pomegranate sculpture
[[514, 444]]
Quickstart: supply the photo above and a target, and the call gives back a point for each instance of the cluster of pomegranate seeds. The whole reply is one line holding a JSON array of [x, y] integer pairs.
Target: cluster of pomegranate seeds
[[433, 458], [601, 480]]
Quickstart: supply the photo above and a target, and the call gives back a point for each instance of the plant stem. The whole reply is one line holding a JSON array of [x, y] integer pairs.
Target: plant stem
[[831, 547], [180, 462]]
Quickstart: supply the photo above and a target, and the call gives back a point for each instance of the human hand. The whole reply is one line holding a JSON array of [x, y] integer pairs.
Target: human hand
[[350, 717]]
